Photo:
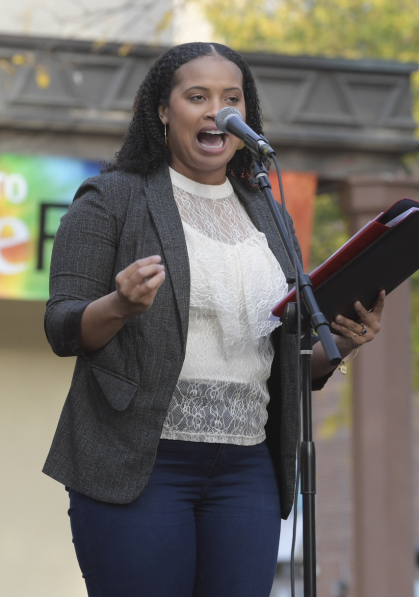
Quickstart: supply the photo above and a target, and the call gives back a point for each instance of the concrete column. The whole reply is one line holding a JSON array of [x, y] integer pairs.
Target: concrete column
[[383, 538]]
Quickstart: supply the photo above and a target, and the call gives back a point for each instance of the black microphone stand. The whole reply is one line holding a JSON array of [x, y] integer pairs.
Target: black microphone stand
[[313, 319]]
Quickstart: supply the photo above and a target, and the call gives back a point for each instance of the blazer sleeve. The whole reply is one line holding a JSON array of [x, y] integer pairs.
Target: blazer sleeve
[[82, 266]]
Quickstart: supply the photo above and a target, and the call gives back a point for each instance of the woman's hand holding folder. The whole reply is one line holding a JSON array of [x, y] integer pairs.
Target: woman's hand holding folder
[[353, 334]]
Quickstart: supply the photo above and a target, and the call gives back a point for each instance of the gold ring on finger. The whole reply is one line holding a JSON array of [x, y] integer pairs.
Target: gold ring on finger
[[364, 330]]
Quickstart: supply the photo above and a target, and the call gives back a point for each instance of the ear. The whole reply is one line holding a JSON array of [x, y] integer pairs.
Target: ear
[[163, 110]]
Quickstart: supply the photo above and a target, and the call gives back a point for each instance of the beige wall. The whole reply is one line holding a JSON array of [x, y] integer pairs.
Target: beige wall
[[36, 553]]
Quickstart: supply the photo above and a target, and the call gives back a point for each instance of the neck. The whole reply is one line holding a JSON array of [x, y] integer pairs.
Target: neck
[[210, 177]]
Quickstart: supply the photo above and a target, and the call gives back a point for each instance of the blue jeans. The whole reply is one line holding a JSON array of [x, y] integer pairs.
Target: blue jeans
[[207, 525]]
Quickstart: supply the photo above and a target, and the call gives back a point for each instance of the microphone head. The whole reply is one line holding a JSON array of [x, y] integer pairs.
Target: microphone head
[[223, 116]]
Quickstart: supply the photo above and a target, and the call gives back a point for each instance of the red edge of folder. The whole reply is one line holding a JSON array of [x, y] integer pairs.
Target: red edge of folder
[[357, 243]]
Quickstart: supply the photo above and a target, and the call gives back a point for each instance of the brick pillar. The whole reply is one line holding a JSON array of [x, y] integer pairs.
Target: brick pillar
[[383, 538]]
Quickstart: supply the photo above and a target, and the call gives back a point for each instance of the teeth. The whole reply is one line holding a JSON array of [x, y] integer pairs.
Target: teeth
[[213, 132], [212, 146]]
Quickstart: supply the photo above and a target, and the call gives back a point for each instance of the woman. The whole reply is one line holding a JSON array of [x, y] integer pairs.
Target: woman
[[161, 284]]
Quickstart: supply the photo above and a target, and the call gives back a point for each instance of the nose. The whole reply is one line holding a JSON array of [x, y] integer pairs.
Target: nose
[[213, 108]]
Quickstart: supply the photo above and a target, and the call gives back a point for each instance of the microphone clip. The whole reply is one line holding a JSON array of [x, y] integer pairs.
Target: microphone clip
[[264, 148]]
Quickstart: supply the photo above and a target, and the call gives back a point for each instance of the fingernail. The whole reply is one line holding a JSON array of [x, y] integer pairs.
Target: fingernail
[[339, 318]]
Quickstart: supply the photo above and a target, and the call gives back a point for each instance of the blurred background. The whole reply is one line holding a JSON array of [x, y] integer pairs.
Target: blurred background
[[339, 90]]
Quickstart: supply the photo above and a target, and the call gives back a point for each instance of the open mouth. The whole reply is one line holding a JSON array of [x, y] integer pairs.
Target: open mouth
[[211, 139]]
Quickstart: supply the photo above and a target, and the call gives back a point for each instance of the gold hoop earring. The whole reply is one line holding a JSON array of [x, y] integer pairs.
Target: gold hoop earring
[[165, 136], [241, 145]]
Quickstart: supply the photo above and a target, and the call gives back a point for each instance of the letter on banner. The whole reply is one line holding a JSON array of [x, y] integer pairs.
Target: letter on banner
[[14, 235]]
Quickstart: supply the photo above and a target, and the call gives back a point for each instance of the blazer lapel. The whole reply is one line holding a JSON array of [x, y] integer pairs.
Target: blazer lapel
[[259, 212], [164, 212]]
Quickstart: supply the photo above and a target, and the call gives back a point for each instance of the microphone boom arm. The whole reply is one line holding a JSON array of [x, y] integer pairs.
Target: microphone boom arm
[[318, 320]]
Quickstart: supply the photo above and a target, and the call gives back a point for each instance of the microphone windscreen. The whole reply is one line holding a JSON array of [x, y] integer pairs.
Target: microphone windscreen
[[223, 115]]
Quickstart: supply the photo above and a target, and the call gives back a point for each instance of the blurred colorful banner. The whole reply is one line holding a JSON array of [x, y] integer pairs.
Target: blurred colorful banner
[[35, 192]]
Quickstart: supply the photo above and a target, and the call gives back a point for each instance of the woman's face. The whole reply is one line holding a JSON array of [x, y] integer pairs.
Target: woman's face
[[204, 87]]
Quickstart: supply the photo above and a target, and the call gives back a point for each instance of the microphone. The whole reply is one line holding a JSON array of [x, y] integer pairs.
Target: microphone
[[230, 120]]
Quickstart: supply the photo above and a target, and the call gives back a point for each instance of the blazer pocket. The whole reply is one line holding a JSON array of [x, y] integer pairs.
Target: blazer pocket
[[117, 390]]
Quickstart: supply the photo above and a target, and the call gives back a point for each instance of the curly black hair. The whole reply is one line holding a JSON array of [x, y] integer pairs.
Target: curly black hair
[[144, 149]]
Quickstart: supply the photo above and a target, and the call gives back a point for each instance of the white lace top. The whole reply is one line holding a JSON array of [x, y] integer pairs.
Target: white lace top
[[221, 395]]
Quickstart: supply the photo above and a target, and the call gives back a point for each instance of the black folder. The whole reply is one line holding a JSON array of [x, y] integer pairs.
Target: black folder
[[376, 258]]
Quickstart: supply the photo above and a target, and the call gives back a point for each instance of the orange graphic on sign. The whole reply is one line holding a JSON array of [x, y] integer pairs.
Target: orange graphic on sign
[[300, 192]]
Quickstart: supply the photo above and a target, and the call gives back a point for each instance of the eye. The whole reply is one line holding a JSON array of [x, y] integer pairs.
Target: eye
[[196, 98], [232, 99]]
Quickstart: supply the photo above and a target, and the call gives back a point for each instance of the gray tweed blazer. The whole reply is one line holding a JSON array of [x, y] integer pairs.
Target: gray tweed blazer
[[107, 436]]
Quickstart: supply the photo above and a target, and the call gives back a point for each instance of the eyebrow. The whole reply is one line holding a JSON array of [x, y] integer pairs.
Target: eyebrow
[[207, 89]]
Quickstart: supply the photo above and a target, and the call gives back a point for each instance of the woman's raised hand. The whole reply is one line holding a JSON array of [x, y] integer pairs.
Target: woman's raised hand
[[137, 285]]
